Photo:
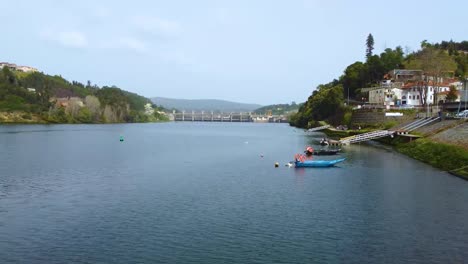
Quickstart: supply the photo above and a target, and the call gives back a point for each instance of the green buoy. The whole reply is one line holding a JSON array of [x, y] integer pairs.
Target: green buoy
[[121, 139]]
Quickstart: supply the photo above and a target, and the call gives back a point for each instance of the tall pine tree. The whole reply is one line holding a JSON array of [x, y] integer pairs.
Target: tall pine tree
[[370, 46]]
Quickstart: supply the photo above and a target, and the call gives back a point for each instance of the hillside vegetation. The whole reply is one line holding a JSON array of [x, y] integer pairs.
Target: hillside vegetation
[[203, 105], [278, 109], [327, 101], [41, 98]]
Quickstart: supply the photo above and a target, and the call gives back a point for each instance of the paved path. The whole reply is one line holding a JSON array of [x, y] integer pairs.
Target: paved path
[[436, 126], [456, 136]]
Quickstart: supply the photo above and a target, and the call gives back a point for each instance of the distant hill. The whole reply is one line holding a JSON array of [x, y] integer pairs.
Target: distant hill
[[278, 109], [203, 105]]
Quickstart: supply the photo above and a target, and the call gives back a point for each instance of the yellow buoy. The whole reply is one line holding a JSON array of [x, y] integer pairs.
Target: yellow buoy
[[276, 164]]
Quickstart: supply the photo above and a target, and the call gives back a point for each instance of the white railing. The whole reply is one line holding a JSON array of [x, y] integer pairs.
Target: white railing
[[366, 136], [413, 124], [426, 122], [318, 128]]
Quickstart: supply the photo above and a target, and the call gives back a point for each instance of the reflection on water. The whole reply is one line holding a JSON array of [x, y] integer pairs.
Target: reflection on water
[[198, 193]]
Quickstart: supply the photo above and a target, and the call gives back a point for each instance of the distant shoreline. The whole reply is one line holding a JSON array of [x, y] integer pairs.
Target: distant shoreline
[[25, 118]]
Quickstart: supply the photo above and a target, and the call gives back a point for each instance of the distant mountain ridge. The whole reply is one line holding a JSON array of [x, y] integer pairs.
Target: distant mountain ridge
[[204, 105]]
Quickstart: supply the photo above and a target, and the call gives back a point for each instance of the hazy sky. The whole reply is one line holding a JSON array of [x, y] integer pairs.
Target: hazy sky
[[250, 51]]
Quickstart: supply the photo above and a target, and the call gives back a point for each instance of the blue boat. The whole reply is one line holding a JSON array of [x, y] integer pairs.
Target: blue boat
[[317, 163]]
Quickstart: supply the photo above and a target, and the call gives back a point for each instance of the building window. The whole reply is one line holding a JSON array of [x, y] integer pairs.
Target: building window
[[418, 97]]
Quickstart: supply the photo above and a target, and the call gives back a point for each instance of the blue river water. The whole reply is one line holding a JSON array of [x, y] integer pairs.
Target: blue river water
[[209, 193]]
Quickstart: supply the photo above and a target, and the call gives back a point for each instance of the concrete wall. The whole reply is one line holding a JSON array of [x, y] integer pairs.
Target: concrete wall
[[375, 117]]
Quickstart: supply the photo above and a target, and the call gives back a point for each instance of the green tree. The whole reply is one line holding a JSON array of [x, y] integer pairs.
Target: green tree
[[8, 76], [369, 45], [452, 94], [392, 59], [462, 64], [325, 103], [355, 77], [84, 115], [94, 106], [375, 70]]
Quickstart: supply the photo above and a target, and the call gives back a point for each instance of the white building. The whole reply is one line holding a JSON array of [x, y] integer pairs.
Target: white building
[[387, 94], [414, 93], [9, 65], [26, 69], [16, 67]]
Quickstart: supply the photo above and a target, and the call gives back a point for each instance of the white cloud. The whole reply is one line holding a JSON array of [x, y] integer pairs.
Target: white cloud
[[156, 25], [69, 38]]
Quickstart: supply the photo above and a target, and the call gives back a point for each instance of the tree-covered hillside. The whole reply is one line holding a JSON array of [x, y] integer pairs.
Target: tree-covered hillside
[[204, 105], [327, 101], [278, 109], [52, 99]]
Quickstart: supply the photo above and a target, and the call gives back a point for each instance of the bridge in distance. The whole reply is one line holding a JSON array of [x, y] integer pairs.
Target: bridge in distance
[[211, 116]]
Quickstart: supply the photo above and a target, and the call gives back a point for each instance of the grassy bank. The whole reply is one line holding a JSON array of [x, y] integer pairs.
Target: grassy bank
[[443, 156], [447, 157]]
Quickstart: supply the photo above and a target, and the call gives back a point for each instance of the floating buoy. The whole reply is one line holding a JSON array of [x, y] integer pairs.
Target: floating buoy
[[261, 155], [121, 139], [276, 164]]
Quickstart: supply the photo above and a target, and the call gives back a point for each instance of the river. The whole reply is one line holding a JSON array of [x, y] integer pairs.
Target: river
[[210, 193]]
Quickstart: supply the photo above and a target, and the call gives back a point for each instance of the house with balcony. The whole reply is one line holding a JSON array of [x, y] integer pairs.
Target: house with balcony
[[414, 93]]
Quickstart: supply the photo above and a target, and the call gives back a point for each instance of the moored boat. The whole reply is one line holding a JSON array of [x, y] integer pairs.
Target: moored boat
[[323, 152], [317, 163]]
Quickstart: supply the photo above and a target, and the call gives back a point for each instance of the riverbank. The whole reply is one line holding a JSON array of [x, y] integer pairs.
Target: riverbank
[[447, 157], [445, 149], [20, 117]]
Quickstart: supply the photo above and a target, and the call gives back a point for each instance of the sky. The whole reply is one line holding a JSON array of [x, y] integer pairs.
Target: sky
[[248, 51]]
